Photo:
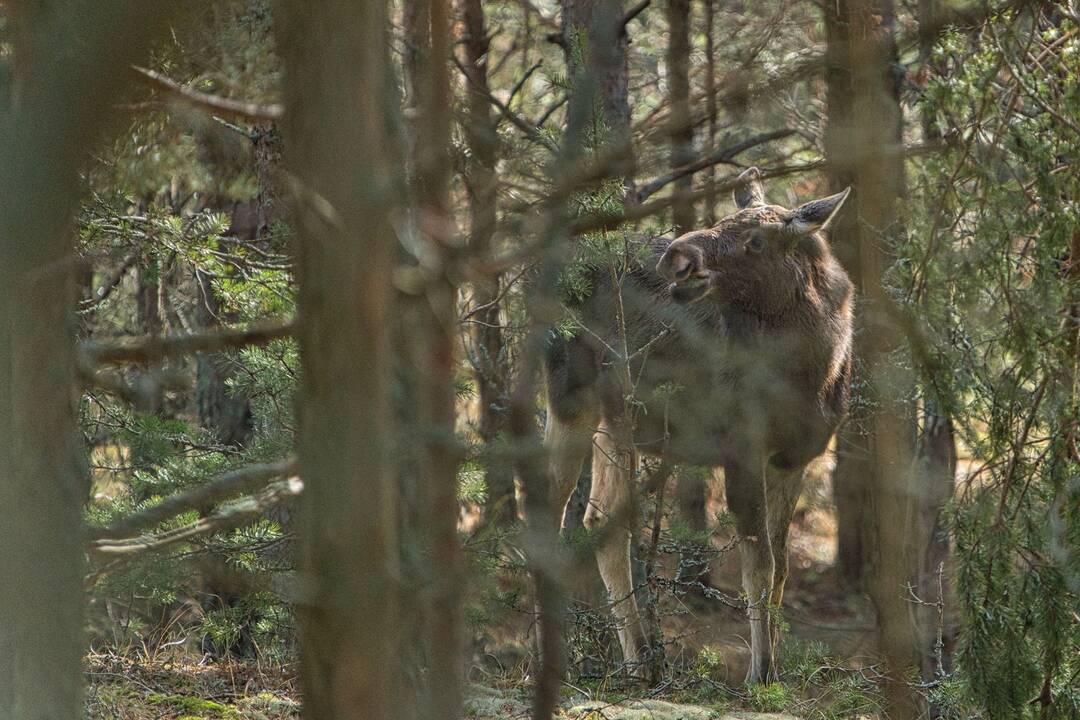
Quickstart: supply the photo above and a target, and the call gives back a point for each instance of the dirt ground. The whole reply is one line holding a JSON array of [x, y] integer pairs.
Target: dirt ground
[[816, 609]]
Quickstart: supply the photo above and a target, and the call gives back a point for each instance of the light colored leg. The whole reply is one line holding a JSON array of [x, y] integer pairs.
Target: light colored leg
[[784, 488], [746, 500], [568, 443], [611, 515]]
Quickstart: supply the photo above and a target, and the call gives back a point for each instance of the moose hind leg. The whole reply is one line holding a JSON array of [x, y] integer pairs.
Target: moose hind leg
[[568, 440], [784, 486], [611, 516], [746, 500]]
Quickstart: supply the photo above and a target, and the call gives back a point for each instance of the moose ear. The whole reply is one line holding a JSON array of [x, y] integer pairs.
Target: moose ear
[[748, 190], [816, 214]]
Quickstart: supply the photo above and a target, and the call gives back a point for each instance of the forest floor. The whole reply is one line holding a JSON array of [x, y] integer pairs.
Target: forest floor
[[709, 653]]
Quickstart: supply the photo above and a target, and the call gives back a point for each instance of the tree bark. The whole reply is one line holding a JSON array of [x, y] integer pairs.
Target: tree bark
[[60, 101], [853, 452], [879, 176], [594, 43], [489, 361], [341, 146], [710, 109], [432, 352], [680, 129]]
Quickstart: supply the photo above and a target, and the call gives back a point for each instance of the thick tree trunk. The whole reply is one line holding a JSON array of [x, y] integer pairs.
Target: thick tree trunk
[[879, 176], [594, 43], [49, 126], [488, 356], [342, 148]]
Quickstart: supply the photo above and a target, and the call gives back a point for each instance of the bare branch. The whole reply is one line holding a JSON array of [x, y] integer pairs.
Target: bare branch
[[244, 480], [102, 293], [227, 517], [153, 349], [525, 126], [633, 13], [218, 105], [720, 155]]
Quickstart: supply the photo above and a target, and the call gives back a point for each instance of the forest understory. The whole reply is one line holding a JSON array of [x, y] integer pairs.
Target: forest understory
[[577, 359]]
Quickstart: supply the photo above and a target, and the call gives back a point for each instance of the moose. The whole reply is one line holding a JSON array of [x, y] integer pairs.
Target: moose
[[735, 345]]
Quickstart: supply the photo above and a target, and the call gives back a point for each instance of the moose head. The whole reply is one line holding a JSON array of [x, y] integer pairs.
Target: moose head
[[756, 258]]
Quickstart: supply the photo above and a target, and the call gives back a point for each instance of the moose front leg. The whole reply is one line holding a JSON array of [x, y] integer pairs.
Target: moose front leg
[[746, 499], [784, 486], [611, 515]]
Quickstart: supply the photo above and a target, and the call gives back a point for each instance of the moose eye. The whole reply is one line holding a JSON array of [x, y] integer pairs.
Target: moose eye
[[756, 243]]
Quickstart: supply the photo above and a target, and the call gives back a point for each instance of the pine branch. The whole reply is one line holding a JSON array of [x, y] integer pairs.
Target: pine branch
[[228, 517], [240, 481], [153, 349]]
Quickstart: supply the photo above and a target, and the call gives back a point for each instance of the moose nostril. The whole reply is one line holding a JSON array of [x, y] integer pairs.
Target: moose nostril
[[682, 267]]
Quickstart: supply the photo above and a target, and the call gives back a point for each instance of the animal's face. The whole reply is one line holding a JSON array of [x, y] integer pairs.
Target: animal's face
[[749, 255]]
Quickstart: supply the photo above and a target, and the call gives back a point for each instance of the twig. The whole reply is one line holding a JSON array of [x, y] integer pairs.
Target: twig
[[213, 103], [720, 155], [530, 130]]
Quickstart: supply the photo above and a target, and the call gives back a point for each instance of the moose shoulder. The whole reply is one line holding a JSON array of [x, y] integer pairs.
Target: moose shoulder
[[735, 345]]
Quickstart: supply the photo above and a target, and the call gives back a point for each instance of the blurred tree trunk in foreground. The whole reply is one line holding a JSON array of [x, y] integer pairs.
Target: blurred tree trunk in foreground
[[853, 453], [879, 177], [690, 490], [60, 100], [430, 304], [341, 146]]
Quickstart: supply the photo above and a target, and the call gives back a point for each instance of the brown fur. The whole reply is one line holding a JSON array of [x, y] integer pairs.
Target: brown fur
[[738, 351]]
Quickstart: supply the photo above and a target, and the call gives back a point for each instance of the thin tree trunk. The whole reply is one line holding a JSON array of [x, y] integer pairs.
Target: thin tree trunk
[[342, 148], [680, 129], [490, 363], [434, 350], [853, 451], [937, 464], [594, 43], [710, 109]]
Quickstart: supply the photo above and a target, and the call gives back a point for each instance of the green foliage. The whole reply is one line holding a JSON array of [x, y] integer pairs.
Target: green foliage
[[773, 697], [992, 225]]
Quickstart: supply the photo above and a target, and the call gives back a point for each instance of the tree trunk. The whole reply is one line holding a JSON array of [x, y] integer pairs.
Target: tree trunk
[[879, 175], [227, 415], [690, 491], [594, 43], [710, 109], [50, 124], [488, 356], [853, 452], [434, 309], [937, 460], [680, 128], [342, 148]]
